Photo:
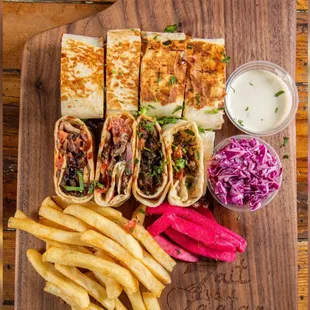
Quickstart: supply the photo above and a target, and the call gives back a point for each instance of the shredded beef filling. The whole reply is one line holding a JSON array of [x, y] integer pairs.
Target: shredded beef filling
[[73, 143], [152, 159], [116, 149]]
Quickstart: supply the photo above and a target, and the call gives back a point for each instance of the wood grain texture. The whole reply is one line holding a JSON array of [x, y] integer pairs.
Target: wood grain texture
[[303, 276], [262, 34]]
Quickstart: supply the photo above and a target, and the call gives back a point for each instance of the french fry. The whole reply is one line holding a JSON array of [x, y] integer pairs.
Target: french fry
[[62, 219], [107, 212], [156, 269], [120, 253], [139, 214], [56, 291], [150, 301], [107, 227], [135, 300], [93, 263], [141, 234], [42, 231], [48, 272], [93, 288], [78, 248], [119, 305], [112, 287], [49, 202], [22, 216], [46, 222]]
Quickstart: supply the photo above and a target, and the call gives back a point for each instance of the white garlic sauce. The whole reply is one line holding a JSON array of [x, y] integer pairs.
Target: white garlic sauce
[[258, 100]]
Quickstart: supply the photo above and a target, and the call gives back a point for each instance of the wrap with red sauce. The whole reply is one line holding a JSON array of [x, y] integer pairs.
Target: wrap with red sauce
[[73, 160], [186, 163], [151, 181], [114, 168]]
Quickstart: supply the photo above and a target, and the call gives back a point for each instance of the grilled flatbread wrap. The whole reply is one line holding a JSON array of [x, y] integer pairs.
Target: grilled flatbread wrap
[[185, 159], [208, 146], [122, 70], [163, 70], [81, 76], [151, 180], [205, 82], [114, 170], [73, 160]]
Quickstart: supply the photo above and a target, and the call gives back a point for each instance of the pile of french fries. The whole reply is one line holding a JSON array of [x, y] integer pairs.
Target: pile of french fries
[[87, 236]]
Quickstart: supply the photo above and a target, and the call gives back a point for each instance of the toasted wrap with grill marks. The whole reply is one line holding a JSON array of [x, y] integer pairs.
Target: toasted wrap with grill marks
[[151, 179], [114, 169], [185, 162], [163, 70], [205, 82], [73, 160], [122, 70], [81, 76]]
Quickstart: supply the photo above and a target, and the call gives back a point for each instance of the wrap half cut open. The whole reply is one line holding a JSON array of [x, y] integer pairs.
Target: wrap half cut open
[[186, 166], [73, 160], [114, 168], [151, 179]]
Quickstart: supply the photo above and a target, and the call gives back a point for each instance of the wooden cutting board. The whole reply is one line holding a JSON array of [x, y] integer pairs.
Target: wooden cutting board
[[265, 277]]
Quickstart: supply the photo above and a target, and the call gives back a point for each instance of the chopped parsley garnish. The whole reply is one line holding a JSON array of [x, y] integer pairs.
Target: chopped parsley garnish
[[81, 182], [159, 79], [150, 106], [147, 149], [142, 211], [171, 28], [276, 110], [251, 84], [168, 42], [189, 132], [226, 58], [240, 122], [201, 130], [156, 100], [247, 109], [197, 97], [190, 46], [143, 111], [136, 161], [128, 171], [131, 29], [149, 126], [198, 155], [167, 120], [97, 184], [178, 108], [279, 93], [73, 189], [158, 170], [214, 111], [179, 164], [285, 141], [155, 38], [140, 134], [172, 80], [233, 89], [285, 156]]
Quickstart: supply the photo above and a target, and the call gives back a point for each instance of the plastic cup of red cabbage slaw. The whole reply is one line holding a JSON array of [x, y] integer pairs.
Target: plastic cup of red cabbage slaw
[[246, 207]]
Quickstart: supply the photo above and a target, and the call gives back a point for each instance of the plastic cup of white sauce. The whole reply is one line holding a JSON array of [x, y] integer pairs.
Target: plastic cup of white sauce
[[262, 98]]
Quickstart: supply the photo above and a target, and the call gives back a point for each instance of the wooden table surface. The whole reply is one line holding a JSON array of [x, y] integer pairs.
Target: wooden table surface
[[24, 19]]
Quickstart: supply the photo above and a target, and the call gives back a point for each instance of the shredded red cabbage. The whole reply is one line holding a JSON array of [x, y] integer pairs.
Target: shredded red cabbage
[[244, 173]]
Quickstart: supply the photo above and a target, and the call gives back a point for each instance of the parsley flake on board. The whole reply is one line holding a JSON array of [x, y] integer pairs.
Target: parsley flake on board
[[276, 110], [285, 156], [171, 28], [285, 141]]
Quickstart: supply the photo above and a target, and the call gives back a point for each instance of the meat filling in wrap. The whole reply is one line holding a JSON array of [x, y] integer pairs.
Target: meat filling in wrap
[[185, 158], [117, 149], [73, 144], [152, 160]]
